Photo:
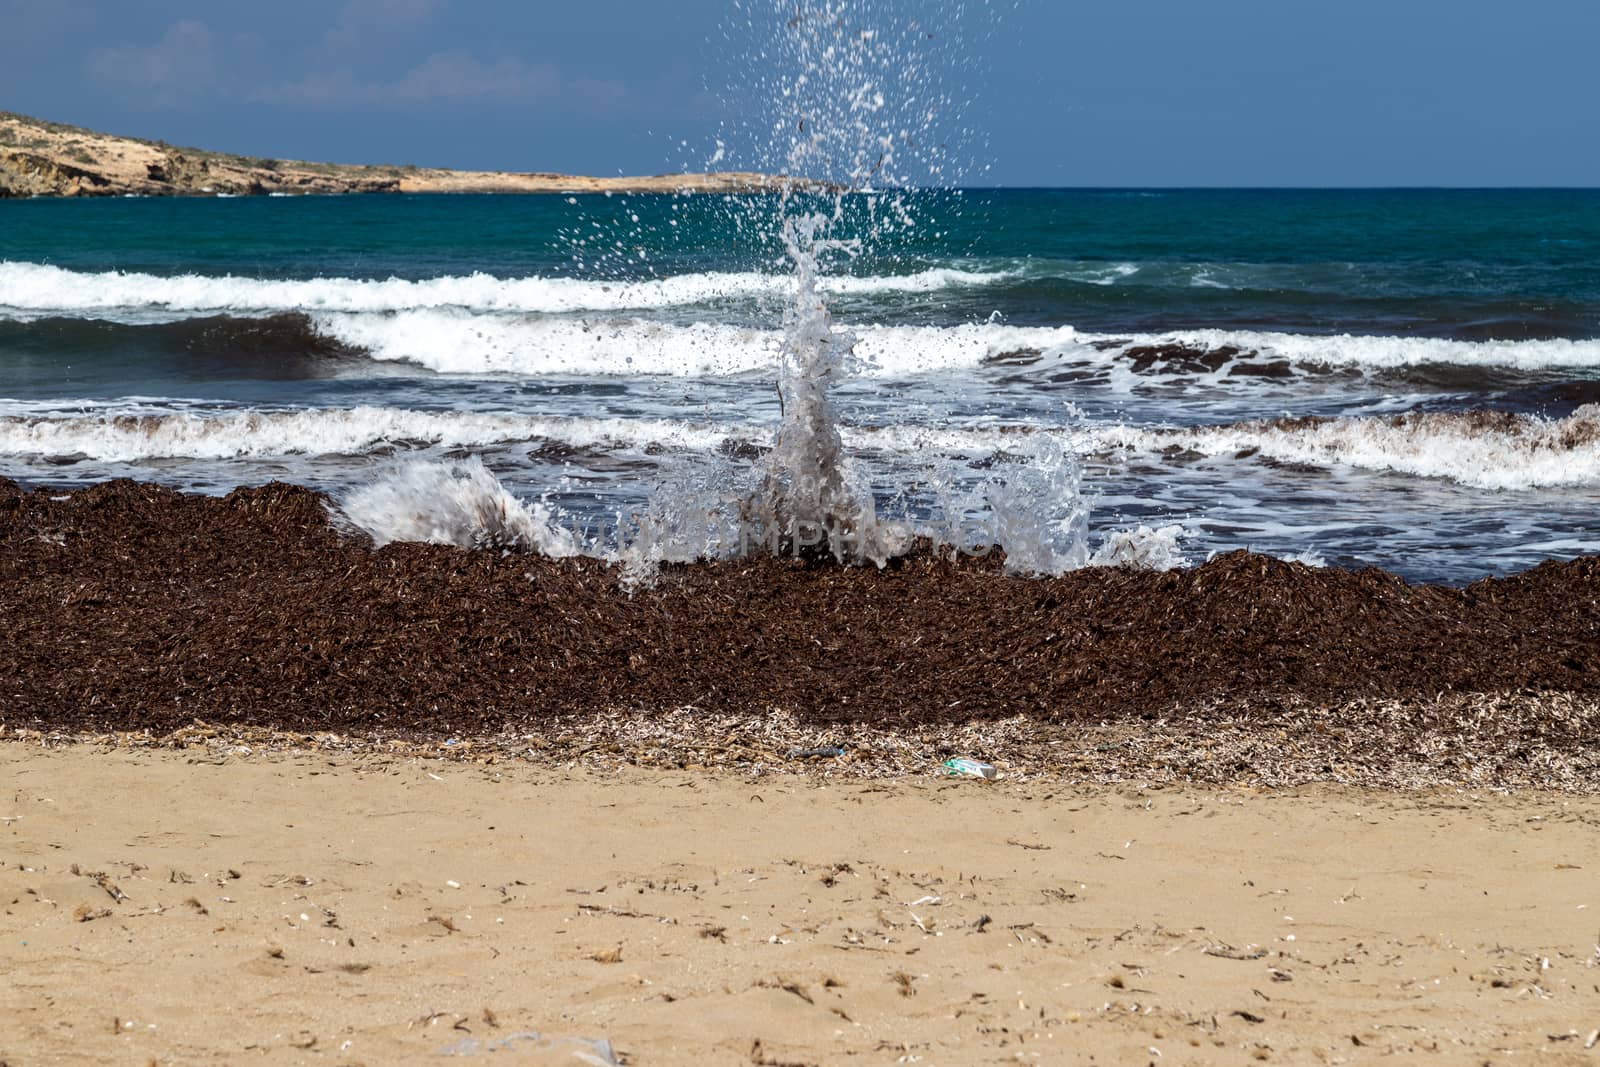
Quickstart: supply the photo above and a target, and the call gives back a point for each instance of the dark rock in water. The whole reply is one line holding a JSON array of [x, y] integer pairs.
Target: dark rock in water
[[1184, 357], [1276, 369], [1021, 357], [129, 605], [740, 449], [552, 449]]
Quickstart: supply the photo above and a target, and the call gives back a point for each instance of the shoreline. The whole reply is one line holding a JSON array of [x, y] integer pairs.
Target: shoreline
[[1496, 743], [129, 608]]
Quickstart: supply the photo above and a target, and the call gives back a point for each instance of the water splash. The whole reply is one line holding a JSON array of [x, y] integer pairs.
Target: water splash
[[1142, 548], [859, 94], [461, 504], [849, 107], [848, 100], [699, 512], [806, 500]]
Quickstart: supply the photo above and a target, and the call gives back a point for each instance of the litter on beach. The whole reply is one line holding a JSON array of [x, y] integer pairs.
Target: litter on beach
[[969, 768]]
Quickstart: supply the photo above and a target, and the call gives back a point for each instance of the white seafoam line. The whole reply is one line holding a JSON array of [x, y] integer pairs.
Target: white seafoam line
[[39, 289], [1520, 453], [1502, 454], [483, 324], [456, 342], [119, 438], [459, 343]]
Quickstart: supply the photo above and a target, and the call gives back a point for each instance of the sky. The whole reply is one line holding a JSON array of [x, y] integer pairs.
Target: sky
[[1059, 92]]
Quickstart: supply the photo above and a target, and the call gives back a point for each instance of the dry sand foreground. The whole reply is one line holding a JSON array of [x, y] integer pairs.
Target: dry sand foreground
[[177, 907]]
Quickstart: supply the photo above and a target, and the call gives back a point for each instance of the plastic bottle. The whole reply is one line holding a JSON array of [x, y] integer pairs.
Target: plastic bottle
[[961, 767]]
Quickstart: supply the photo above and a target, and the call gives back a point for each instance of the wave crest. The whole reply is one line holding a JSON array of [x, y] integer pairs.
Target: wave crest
[[456, 342], [1482, 449], [40, 289], [125, 438]]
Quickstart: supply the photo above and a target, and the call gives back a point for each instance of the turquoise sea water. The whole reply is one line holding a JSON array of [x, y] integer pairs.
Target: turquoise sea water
[[1404, 378]]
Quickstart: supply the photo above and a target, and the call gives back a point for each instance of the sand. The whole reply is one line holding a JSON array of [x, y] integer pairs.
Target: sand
[[274, 795], [212, 905]]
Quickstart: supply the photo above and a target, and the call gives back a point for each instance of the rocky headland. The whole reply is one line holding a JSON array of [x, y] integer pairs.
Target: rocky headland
[[39, 158]]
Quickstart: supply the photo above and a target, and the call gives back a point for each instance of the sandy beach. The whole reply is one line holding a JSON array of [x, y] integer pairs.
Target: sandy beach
[[211, 904], [273, 794], [914, 547]]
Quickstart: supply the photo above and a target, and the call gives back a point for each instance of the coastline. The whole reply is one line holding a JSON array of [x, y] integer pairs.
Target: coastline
[[379, 805], [131, 609], [46, 159], [1105, 625]]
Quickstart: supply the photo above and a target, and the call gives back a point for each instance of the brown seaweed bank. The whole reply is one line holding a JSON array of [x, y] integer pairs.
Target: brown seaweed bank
[[130, 605]]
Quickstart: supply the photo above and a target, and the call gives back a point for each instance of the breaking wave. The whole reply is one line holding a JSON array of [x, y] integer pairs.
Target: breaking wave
[[481, 324], [460, 343], [126, 438], [460, 504], [456, 343], [1481, 449], [1378, 352], [39, 289]]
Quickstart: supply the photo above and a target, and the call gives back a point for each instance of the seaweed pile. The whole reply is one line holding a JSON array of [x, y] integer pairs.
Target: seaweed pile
[[130, 606]]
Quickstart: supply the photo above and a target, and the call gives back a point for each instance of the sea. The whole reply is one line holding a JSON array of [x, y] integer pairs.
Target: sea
[[1405, 379]]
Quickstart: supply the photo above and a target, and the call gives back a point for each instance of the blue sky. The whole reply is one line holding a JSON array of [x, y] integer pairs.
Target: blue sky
[[1133, 92]]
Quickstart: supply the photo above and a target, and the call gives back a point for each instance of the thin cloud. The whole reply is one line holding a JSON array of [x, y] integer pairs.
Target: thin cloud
[[459, 76], [449, 77], [179, 65], [360, 22]]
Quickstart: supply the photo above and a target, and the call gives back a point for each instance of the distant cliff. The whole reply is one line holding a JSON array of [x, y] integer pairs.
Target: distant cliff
[[48, 159]]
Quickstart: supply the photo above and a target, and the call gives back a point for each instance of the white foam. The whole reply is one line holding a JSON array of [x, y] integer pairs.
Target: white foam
[[41, 289], [891, 350], [461, 504], [1381, 352], [1516, 453], [454, 342], [1511, 452], [1519, 453], [125, 438], [1143, 548], [482, 324], [1104, 275], [980, 440], [134, 429], [459, 342]]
